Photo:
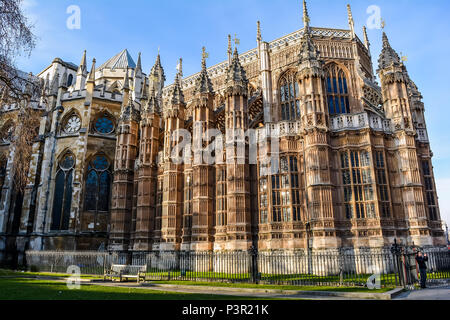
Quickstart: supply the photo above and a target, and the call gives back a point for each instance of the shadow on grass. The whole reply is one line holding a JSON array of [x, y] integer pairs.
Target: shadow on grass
[[29, 289]]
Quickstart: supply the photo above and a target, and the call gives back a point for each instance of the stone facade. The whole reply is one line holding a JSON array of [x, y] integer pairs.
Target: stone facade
[[354, 161]]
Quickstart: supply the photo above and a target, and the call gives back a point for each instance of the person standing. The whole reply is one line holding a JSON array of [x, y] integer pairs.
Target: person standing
[[421, 261]]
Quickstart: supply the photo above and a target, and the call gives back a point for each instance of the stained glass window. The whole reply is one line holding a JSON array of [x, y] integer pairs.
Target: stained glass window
[[286, 199], [359, 192], [221, 196], [430, 191], [69, 80], [290, 95], [337, 88], [62, 201], [104, 125], [98, 185], [73, 124]]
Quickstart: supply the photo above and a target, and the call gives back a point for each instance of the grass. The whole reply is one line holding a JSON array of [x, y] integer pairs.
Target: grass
[[387, 280], [31, 289], [276, 287], [10, 273], [310, 283]]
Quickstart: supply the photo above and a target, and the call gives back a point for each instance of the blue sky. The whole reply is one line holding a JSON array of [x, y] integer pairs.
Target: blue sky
[[418, 29]]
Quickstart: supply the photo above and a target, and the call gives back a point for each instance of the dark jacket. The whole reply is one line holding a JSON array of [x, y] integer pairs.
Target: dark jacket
[[421, 262]]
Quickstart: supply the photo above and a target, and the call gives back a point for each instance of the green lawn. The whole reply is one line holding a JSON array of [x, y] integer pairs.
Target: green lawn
[[276, 287], [31, 289], [9, 273], [387, 280]]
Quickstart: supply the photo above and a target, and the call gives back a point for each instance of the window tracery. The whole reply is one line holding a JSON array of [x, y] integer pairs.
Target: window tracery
[[98, 185], [337, 91], [62, 201], [289, 97]]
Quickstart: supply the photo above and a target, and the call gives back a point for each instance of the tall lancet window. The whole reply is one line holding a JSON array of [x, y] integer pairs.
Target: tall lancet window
[[221, 196], [62, 201], [337, 91], [289, 97], [98, 185]]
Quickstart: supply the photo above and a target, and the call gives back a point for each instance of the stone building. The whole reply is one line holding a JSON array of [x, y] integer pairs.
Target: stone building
[[353, 161]]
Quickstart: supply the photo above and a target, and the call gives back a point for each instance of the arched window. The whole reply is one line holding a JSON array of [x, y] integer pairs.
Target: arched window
[[62, 201], [289, 97], [358, 184], [72, 124], [70, 80], [286, 201], [98, 185], [337, 91], [3, 164], [104, 124], [221, 196], [188, 201]]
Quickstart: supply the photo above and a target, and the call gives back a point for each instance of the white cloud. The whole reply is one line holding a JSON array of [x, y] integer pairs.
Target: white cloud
[[443, 190]]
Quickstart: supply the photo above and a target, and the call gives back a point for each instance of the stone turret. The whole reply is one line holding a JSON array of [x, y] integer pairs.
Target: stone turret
[[314, 111], [157, 79], [401, 100], [147, 174], [394, 82], [202, 171], [237, 154], [172, 206], [123, 185]]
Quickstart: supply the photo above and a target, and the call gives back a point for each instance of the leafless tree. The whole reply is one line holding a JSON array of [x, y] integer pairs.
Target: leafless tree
[[18, 88], [16, 39]]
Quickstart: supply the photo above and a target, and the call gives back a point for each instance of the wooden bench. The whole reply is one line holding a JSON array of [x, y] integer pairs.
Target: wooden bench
[[124, 272]]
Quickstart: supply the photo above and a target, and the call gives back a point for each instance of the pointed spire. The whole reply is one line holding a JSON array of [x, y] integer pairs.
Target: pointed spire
[[308, 50], [306, 19], [92, 73], [152, 104], [258, 31], [388, 56], [139, 64], [236, 75], [157, 71], [126, 81], [229, 51], [177, 96], [83, 66], [204, 56], [180, 68], [366, 39], [351, 22], [204, 84]]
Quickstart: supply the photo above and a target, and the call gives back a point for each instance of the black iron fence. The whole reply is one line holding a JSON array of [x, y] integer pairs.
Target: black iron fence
[[342, 268]]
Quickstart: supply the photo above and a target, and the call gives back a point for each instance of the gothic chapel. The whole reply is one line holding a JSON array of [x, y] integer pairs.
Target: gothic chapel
[[355, 168]]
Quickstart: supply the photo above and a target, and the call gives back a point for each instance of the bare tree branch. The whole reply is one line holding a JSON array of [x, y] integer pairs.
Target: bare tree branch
[[18, 88]]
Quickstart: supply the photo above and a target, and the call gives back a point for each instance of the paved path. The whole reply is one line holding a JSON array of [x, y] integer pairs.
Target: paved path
[[440, 293], [215, 291]]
